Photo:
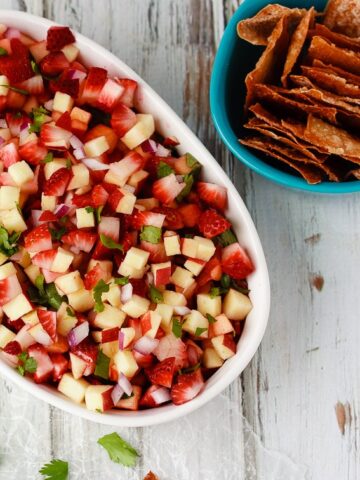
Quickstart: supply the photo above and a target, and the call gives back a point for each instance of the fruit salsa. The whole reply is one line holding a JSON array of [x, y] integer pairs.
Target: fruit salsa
[[122, 283]]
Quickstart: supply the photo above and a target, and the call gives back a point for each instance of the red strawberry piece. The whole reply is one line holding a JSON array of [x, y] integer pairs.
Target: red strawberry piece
[[162, 373], [64, 121], [190, 214], [13, 348], [212, 194], [44, 259], [55, 137], [93, 276], [87, 350], [82, 201], [173, 219], [44, 367], [110, 335], [128, 240], [211, 271], [39, 239], [48, 216], [32, 152], [235, 261], [141, 218], [212, 224], [110, 95], [114, 199], [157, 251], [139, 286], [18, 49], [99, 196], [101, 252], [15, 122], [171, 142], [166, 189], [33, 85], [60, 365], [127, 98], [47, 319], [16, 66], [9, 155], [93, 84], [54, 63], [188, 386], [57, 183], [122, 119], [15, 325], [80, 239], [194, 352], [58, 37], [65, 85], [147, 399], [170, 346]]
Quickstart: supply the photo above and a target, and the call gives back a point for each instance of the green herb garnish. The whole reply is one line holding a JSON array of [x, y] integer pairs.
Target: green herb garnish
[[98, 211], [163, 170], [57, 234], [90, 209], [8, 243], [110, 243], [225, 280], [35, 67], [192, 162], [226, 238], [191, 369], [119, 451], [189, 181], [39, 117], [150, 234], [176, 327], [210, 318], [46, 295], [70, 312], [15, 89], [199, 331], [100, 288], [155, 295], [3, 52], [102, 366], [49, 157], [55, 470], [121, 280], [26, 364]]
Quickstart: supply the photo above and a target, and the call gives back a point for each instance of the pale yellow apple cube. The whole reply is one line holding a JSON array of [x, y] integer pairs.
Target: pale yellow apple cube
[[98, 397], [166, 313], [80, 178], [113, 296], [48, 202], [65, 322], [3, 258], [110, 349], [72, 388], [6, 336], [71, 52], [17, 307], [136, 258], [195, 320], [141, 131], [128, 271], [111, 177], [110, 317], [62, 102], [9, 197], [7, 270], [21, 172], [236, 305], [96, 147], [70, 283], [13, 220], [221, 348], [189, 247], [172, 245], [127, 203], [125, 363], [31, 318], [105, 265], [205, 248], [174, 298], [81, 301], [207, 304], [194, 265], [54, 166], [5, 134], [129, 335], [155, 320], [4, 82], [211, 359], [62, 261], [137, 177], [80, 114], [182, 278], [84, 218], [148, 203], [32, 271], [136, 306]]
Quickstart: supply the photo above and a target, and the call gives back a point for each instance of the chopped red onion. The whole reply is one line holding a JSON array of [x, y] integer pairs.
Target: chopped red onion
[[79, 153], [61, 210], [77, 75], [49, 105], [116, 394], [161, 395], [146, 345], [125, 384], [3, 123], [35, 215], [126, 293], [180, 310], [162, 151], [75, 142], [121, 340], [129, 188], [23, 126], [171, 141], [149, 146], [149, 278], [12, 33], [94, 164], [78, 334], [179, 178]]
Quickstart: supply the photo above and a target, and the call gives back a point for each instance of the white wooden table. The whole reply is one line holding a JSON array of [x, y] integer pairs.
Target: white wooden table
[[294, 413]]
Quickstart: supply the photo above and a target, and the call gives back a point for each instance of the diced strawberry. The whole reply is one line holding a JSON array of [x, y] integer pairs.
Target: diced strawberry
[[93, 276], [50, 276], [54, 137], [212, 224], [212, 194], [166, 189], [127, 98], [6, 179], [171, 142], [110, 335], [13, 348], [47, 319], [190, 214], [93, 85], [188, 386], [60, 365], [147, 399], [235, 261], [58, 37], [33, 152], [39, 239], [80, 239], [128, 240], [162, 373], [157, 251], [170, 346], [54, 63], [60, 346], [48, 216], [15, 122], [173, 219], [99, 196], [33, 85], [144, 361], [44, 259], [14, 325], [32, 185], [9, 155], [57, 183], [65, 85], [87, 350], [101, 252], [141, 218], [64, 121], [82, 201], [15, 69], [194, 353], [122, 119], [110, 95], [102, 130], [44, 367]]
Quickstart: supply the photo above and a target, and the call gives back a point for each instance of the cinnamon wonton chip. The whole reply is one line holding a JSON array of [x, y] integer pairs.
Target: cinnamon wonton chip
[[327, 52], [351, 77], [343, 16], [340, 40], [331, 81]]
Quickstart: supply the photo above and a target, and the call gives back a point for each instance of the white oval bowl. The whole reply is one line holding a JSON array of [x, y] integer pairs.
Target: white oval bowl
[[168, 124]]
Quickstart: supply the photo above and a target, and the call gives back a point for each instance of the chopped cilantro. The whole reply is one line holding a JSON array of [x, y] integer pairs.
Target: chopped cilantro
[[55, 300], [210, 318], [102, 366], [39, 284], [3, 52], [155, 295], [57, 234], [98, 211], [110, 243], [39, 116], [176, 327], [64, 219], [191, 369], [121, 280], [192, 163], [225, 280], [242, 289], [55, 470], [100, 288], [49, 157], [68, 163], [226, 238], [163, 170], [90, 209], [189, 181], [35, 67], [26, 364], [150, 234], [214, 292], [199, 331], [70, 312], [46, 295], [15, 89], [119, 451], [8, 243]]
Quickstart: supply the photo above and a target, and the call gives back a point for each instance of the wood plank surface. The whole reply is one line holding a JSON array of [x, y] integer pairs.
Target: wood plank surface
[[294, 413]]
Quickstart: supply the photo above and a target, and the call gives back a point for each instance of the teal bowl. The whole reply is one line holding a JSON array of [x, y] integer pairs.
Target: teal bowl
[[234, 59]]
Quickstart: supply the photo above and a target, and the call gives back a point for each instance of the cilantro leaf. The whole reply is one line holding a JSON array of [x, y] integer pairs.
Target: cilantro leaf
[[26, 364], [242, 289], [110, 243], [54, 299], [192, 162], [98, 211], [189, 181], [39, 284], [163, 170], [70, 312], [199, 331], [57, 234], [225, 280], [119, 451], [121, 280], [191, 369], [90, 209], [226, 238], [55, 470], [100, 288], [68, 163], [155, 295], [176, 327], [3, 52], [210, 318], [49, 157], [35, 67], [46, 295], [150, 234], [39, 117], [15, 89], [8, 243], [216, 291], [102, 365]]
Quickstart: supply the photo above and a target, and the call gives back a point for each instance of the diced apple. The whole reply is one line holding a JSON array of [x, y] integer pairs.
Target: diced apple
[[30, 318], [21, 172], [221, 326], [150, 323], [125, 363], [141, 131], [194, 265], [6, 336], [96, 147], [136, 258], [166, 313], [81, 300], [81, 115], [127, 335], [211, 359], [65, 322], [78, 366], [23, 257], [32, 271], [13, 221], [62, 261], [71, 52], [182, 278], [40, 335], [205, 248], [136, 306], [62, 102], [126, 203], [5, 134], [224, 346], [137, 177], [128, 271], [17, 307], [80, 178], [189, 247], [7, 270], [194, 321], [110, 349], [52, 167], [84, 218], [69, 283], [72, 388], [236, 305], [130, 403], [113, 296], [161, 273], [148, 203], [4, 82], [207, 304], [109, 317], [3, 258], [105, 265], [38, 50], [48, 202], [98, 397], [9, 197], [174, 299]]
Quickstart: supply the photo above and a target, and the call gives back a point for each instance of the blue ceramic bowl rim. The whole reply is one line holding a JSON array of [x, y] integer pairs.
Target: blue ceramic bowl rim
[[220, 118]]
